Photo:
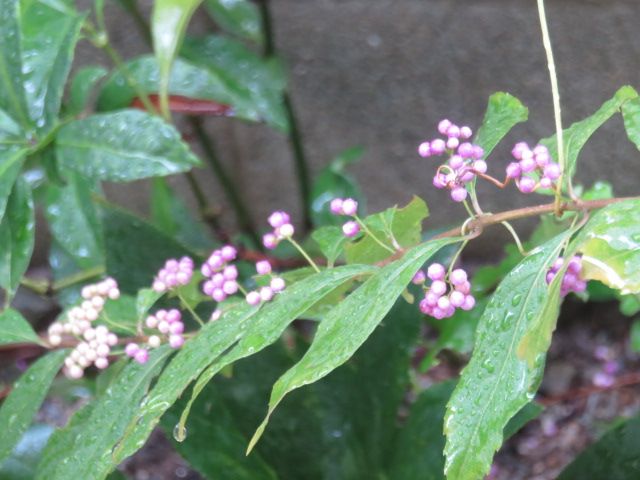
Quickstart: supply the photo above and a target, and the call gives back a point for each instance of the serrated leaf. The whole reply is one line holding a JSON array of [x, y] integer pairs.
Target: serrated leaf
[[403, 224], [17, 230], [123, 146], [12, 97], [169, 21], [239, 17], [610, 247], [82, 86], [259, 82], [15, 329], [49, 36], [613, 457], [504, 370], [631, 117], [251, 328], [576, 136], [90, 453], [74, 221], [171, 215], [136, 250], [331, 241], [349, 324], [25, 399], [503, 112]]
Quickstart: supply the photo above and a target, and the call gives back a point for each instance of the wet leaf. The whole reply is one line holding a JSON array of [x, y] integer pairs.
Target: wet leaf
[[613, 457], [21, 465], [576, 136], [11, 160], [331, 241], [74, 220], [631, 117], [504, 111], [239, 17], [259, 82], [253, 329], [15, 329], [89, 451], [349, 324], [49, 36], [17, 230], [506, 365], [123, 146], [12, 97], [610, 246], [24, 401]]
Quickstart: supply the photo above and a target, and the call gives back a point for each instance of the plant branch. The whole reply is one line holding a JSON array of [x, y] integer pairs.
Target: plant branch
[[557, 113]]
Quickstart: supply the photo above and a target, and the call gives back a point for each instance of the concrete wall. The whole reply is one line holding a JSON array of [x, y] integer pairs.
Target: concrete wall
[[381, 73]]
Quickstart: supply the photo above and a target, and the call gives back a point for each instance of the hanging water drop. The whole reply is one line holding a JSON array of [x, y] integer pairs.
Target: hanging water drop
[[179, 433]]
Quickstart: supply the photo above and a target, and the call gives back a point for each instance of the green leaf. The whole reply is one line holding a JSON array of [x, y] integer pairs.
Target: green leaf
[[147, 297], [123, 146], [576, 136], [169, 21], [24, 401], [73, 220], [17, 230], [82, 86], [634, 337], [631, 117], [504, 111], [15, 329], [260, 82], [89, 455], [418, 448], [21, 465], [506, 365], [12, 97], [50, 32], [610, 246], [11, 160], [403, 224], [334, 182], [331, 241], [253, 329], [349, 324], [171, 215], [121, 315], [613, 457], [186, 79], [598, 191], [239, 17], [135, 250]]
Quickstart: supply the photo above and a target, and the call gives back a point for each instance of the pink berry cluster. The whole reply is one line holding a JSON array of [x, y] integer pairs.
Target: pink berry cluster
[[282, 228], [266, 293], [439, 300], [95, 343], [170, 328], [348, 207], [533, 169], [174, 274], [221, 276], [465, 158], [571, 282]]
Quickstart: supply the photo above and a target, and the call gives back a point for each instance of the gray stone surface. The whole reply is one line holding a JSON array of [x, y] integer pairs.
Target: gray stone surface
[[381, 73]]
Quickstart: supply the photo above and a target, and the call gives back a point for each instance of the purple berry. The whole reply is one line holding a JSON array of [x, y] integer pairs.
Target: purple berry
[[514, 170], [263, 267], [458, 276], [443, 126], [466, 132], [253, 298], [424, 149], [141, 356], [552, 171], [349, 207], [270, 241], [351, 229], [459, 194], [336, 206], [419, 278], [526, 185], [438, 288], [480, 166], [438, 146], [436, 271]]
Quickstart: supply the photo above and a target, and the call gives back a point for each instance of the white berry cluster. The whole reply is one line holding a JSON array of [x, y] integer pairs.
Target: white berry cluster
[[95, 343]]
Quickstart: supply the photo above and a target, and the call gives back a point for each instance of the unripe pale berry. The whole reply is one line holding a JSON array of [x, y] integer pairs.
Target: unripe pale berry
[[456, 161], [457, 298], [263, 267], [253, 298], [452, 143], [176, 328], [215, 315], [419, 278], [101, 363], [154, 341], [270, 241], [349, 207], [229, 252], [351, 229], [266, 294], [277, 284], [480, 166], [336, 206], [278, 219], [526, 185], [285, 230], [176, 341], [438, 287], [466, 132], [141, 356]]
